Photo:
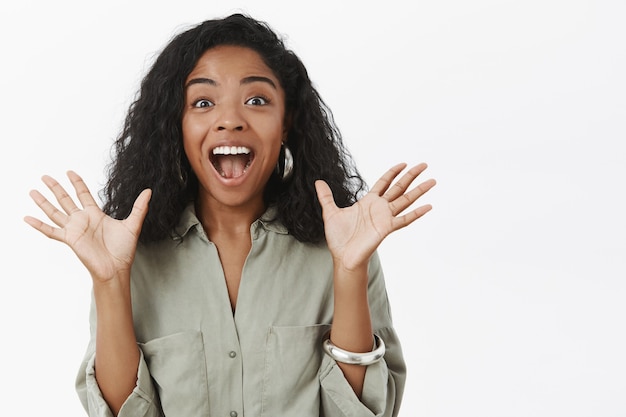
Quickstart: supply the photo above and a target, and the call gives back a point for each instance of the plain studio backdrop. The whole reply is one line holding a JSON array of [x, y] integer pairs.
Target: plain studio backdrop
[[509, 297]]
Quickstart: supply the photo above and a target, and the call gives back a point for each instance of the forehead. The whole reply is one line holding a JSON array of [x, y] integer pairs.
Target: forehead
[[231, 61]]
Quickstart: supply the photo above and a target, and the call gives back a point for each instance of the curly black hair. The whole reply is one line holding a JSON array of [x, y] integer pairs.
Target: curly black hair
[[148, 153]]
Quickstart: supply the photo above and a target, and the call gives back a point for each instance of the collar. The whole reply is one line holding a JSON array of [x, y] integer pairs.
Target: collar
[[267, 222]]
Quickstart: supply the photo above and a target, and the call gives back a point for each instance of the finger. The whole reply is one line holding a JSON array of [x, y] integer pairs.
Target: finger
[[82, 191], [383, 183], [58, 217], [403, 221], [403, 202], [325, 196], [140, 210], [63, 198], [46, 229], [403, 183]]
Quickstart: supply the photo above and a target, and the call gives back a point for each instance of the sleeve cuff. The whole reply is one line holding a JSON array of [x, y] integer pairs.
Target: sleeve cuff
[[338, 391], [382, 388], [138, 403]]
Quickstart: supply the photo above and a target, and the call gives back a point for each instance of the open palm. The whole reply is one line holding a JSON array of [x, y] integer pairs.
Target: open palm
[[353, 233], [106, 246]]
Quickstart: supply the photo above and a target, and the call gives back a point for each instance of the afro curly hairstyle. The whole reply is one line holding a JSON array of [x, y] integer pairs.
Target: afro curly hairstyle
[[148, 153]]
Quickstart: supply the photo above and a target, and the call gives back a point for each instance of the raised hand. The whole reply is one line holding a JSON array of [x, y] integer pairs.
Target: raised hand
[[104, 245], [353, 233]]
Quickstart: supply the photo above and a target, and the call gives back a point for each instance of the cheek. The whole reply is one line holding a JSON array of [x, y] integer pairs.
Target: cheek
[[193, 132], [277, 128]]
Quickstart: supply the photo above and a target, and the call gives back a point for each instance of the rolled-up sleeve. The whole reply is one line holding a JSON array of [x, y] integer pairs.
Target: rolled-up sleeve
[[384, 380], [382, 390], [142, 402]]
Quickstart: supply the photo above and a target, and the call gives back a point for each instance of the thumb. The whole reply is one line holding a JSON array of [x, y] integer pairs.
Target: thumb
[[140, 209], [325, 196]]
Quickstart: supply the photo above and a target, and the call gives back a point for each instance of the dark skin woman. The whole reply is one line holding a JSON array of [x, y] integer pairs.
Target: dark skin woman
[[227, 124]]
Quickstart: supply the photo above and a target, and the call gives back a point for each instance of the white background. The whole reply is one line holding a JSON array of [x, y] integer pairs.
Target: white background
[[509, 297]]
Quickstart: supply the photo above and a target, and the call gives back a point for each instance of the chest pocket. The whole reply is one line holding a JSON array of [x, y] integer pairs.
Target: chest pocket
[[177, 367], [293, 356]]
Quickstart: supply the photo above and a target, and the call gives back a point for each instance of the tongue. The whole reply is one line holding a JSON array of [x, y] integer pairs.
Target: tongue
[[231, 166]]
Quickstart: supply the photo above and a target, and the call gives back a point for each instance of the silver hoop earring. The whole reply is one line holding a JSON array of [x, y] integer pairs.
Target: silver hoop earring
[[284, 166]]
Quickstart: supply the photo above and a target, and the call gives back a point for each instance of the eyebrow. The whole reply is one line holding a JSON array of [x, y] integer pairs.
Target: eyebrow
[[257, 78], [246, 80]]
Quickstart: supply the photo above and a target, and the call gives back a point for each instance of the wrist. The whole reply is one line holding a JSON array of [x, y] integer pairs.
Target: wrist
[[112, 279], [112, 291], [350, 270]]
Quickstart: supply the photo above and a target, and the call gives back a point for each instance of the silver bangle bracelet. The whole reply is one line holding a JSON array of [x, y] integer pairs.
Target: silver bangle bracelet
[[354, 358]]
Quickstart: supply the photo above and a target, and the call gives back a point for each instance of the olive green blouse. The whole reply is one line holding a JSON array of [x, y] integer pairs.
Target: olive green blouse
[[266, 359]]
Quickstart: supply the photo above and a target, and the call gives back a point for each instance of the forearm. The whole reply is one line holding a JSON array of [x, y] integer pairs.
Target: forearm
[[117, 354], [352, 326]]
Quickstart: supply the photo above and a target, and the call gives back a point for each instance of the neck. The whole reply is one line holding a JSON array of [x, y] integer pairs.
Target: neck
[[219, 220]]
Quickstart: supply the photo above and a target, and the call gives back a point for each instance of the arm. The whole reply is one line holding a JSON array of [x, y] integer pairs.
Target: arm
[[352, 326], [117, 354], [142, 402], [107, 248], [353, 234]]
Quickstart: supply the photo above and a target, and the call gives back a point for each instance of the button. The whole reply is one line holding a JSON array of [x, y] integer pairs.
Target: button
[[233, 414], [232, 354]]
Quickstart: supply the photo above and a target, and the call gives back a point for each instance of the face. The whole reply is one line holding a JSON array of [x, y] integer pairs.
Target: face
[[233, 125]]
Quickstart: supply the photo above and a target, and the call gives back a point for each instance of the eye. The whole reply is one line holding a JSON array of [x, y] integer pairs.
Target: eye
[[258, 101], [202, 103]]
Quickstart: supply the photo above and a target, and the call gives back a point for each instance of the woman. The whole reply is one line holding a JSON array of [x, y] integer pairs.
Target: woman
[[234, 262]]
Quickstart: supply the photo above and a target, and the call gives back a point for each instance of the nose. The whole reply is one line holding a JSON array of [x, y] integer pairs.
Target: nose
[[230, 118]]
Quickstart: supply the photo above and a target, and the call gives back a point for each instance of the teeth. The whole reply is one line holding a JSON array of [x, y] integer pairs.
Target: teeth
[[231, 150]]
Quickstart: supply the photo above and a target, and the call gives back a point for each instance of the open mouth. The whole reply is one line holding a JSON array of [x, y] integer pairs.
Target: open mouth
[[231, 161]]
